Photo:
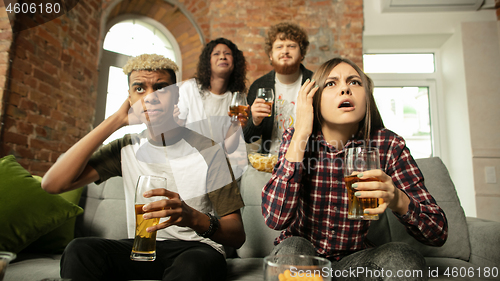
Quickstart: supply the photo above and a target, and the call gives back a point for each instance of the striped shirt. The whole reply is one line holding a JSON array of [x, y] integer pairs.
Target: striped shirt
[[308, 199]]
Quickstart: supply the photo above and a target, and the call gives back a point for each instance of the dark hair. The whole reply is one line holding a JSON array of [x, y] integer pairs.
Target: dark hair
[[372, 119], [238, 76], [288, 31]]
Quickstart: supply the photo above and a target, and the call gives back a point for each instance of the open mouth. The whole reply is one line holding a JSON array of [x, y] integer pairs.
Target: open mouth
[[346, 104]]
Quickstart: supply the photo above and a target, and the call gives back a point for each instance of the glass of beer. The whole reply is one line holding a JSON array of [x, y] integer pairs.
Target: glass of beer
[[238, 105], [357, 160], [144, 248], [267, 94]]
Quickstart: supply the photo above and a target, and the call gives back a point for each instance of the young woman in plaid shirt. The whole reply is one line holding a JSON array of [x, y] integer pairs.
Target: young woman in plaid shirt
[[305, 196]]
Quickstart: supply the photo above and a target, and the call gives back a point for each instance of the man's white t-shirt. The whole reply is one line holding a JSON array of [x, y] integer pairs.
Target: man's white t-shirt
[[284, 109]]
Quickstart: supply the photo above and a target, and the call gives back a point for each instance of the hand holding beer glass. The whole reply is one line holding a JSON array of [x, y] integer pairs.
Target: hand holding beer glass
[[358, 160], [144, 248], [267, 94], [238, 106]]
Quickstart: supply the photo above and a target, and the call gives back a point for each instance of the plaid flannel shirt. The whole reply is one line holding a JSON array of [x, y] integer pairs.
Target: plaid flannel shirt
[[308, 199]]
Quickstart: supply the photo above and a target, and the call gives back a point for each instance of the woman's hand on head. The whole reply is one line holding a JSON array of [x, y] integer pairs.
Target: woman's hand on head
[[305, 112], [382, 187], [304, 122]]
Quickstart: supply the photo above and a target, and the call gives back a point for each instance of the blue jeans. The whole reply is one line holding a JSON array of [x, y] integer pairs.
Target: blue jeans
[[391, 261], [103, 259]]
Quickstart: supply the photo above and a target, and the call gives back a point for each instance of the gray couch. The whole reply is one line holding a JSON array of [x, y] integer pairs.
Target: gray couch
[[472, 247]]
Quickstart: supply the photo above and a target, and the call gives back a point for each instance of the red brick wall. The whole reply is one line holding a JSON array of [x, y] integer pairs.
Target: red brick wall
[[48, 91], [50, 99], [334, 28]]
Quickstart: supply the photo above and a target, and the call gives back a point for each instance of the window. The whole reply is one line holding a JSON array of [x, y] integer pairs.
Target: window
[[406, 101], [124, 39], [405, 110], [135, 37]]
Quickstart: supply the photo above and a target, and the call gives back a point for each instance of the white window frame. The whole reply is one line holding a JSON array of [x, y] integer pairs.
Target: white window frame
[[430, 80]]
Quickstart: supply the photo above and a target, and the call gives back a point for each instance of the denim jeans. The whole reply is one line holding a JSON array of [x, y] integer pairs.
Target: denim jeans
[[391, 261], [103, 259]]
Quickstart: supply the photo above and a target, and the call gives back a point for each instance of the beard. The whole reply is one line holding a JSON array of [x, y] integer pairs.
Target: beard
[[286, 69]]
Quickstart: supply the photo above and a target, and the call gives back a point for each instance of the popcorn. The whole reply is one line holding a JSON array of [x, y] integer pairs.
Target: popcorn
[[263, 162]]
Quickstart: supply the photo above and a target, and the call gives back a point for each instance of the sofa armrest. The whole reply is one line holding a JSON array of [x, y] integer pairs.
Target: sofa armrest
[[484, 242]]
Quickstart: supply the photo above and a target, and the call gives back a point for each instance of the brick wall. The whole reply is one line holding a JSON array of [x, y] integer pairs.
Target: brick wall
[[48, 91], [334, 28], [50, 99]]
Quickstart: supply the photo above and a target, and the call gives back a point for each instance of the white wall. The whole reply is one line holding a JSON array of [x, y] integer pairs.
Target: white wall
[[458, 151], [482, 73], [441, 32]]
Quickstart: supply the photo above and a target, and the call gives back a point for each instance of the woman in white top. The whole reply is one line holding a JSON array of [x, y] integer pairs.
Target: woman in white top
[[204, 101]]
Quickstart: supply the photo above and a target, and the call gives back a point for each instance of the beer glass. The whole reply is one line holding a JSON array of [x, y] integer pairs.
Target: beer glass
[[267, 94], [144, 248], [238, 105], [357, 160]]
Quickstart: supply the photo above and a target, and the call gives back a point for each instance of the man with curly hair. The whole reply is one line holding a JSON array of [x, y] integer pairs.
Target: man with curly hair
[[190, 243], [286, 45]]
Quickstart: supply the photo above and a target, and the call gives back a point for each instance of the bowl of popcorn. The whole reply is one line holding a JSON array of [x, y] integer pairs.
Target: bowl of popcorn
[[296, 268], [263, 162]]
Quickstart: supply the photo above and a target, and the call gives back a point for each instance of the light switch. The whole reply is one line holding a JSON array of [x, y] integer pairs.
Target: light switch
[[491, 175]]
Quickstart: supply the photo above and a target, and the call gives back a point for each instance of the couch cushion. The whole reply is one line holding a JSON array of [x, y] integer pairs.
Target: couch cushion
[[259, 237], [104, 206], [439, 184], [55, 241], [484, 242], [28, 212], [29, 267]]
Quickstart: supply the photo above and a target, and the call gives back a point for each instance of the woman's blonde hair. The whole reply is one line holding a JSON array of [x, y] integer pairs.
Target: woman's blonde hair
[[371, 121]]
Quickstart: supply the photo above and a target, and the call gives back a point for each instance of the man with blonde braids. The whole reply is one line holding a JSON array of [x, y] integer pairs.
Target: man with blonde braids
[[190, 243]]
